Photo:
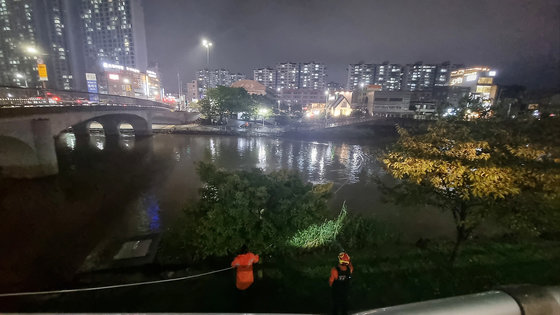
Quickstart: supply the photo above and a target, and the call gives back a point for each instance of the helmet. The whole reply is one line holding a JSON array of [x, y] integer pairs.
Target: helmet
[[343, 258]]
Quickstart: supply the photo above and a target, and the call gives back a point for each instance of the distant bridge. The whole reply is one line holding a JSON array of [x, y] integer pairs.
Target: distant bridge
[[31, 118]]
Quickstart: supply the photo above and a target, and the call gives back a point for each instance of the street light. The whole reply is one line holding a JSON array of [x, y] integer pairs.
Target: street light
[[326, 102], [263, 112], [207, 44], [32, 50], [278, 97]]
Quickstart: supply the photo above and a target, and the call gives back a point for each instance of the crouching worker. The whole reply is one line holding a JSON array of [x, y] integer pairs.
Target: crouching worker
[[340, 283]]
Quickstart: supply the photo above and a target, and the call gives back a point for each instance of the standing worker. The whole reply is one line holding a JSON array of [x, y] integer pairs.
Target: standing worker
[[244, 265], [340, 283]]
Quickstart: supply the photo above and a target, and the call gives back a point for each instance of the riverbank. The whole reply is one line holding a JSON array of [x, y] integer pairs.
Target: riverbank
[[360, 132], [386, 275]]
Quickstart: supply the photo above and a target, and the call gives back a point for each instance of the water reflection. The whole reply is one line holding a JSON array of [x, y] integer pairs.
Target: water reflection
[[173, 183], [318, 162]]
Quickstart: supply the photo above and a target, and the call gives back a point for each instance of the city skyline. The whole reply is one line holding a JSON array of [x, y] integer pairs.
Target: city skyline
[[521, 41]]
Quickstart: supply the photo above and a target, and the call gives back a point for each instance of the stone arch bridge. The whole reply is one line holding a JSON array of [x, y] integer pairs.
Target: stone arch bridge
[[27, 132]]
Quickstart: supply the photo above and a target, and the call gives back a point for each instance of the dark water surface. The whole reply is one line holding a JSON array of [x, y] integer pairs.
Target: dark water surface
[[109, 190]]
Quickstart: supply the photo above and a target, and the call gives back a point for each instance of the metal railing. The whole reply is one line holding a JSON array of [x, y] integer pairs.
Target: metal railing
[[15, 97], [522, 300]]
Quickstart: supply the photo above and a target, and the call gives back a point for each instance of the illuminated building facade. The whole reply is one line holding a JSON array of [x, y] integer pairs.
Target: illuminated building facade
[[18, 30], [287, 75], [211, 78], [113, 32], [360, 75], [480, 81], [291, 75], [128, 81], [312, 76], [388, 76], [266, 77]]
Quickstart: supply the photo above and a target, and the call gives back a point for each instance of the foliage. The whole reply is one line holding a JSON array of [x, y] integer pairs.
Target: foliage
[[253, 208], [477, 169], [365, 232], [206, 108], [318, 235], [471, 107], [224, 101]]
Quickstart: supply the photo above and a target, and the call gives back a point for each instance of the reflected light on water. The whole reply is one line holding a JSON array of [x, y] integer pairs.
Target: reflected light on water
[[70, 140], [99, 142], [213, 150], [261, 155], [153, 213]]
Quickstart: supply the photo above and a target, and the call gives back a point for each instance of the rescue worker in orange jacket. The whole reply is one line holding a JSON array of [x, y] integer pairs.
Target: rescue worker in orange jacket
[[340, 283], [244, 265]]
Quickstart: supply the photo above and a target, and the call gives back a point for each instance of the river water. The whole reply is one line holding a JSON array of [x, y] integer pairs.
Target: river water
[[109, 190]]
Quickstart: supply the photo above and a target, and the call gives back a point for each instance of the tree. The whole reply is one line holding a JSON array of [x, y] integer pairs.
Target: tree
[[206, 108], [228, 100], [261, 210], [476, 169]]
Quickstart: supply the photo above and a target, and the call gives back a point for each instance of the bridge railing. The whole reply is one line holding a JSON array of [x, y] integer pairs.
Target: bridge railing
[[31, 97]]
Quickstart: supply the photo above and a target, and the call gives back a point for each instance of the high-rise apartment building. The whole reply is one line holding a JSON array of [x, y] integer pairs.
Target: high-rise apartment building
[[113, 32], [266, 77], [287, 75], [290, 75], [360, 75], [71, 37], [18, 33], [234, 77], [395, 77], [55, 39], [418, 77], [388, 76], [312, 76], [211, 78]]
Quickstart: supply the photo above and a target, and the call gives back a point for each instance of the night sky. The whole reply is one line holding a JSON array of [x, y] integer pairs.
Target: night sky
[[520, 38]]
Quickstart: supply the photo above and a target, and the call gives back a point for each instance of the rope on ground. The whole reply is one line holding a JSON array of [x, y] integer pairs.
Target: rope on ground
[[112, 286]]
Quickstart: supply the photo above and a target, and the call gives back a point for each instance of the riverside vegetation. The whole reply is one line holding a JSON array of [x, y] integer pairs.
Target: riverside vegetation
[[505, 173]]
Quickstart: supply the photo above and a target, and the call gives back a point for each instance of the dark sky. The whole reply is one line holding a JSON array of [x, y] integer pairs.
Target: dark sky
[[521, 38]]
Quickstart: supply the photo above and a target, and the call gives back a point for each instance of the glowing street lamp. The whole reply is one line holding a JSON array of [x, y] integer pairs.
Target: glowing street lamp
[[207, 44], [32, 50], [263, 112]]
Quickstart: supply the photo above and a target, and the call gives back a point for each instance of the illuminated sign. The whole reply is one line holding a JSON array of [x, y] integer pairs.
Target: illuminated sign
[[151, 74], [492, 73], [133, 69], [112, 66], [455, 81], [91, 80], [113, 76], [42, 69], [471, 77]]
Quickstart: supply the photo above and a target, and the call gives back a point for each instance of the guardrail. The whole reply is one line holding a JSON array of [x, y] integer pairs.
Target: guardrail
[[11, 97], [519, 300]]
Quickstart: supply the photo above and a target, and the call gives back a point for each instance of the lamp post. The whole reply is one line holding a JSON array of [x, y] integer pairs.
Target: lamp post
[[326, 103], [278, 97], [207, 44], [263, 112], [34, 51]]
